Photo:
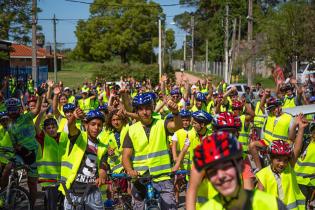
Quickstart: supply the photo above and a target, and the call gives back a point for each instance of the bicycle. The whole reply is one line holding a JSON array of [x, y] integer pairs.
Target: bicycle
[[77, 204], [13, 196], [49, 190], [121, 200], [152, 196]]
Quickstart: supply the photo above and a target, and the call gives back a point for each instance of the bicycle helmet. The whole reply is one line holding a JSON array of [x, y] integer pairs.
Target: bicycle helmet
[[94, 114], [68, 107], [273, 103], [50, 121], [13, 105], [152, 95], [185, 113], [237, 105], [226, 120], [221, 146], [31, 99], [175, 91], [280, 147], [169, 116], [202, 117], [312, 99], [142, 99], [201, 97], [102, 107], [3, 115]]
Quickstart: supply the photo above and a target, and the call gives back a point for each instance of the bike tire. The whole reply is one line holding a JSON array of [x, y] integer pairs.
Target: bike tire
[[19, 199]]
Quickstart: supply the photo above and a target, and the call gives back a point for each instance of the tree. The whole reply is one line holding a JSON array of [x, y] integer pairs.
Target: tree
[[15, 21], [170, 43], [288, 33], [128, 30]]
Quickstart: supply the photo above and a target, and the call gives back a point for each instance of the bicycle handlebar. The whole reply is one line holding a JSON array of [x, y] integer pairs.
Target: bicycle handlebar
[[126, 176]]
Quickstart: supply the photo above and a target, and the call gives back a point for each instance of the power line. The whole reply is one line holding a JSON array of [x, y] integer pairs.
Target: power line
[[125, 5]]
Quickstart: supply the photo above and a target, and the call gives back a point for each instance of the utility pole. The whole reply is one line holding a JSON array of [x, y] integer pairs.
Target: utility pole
[[239, 36], [207, 68], [226, 44], [160, 49], [250, 72], [55, 48], [192, 22], [233, 46], [34, 49], [184, 44]]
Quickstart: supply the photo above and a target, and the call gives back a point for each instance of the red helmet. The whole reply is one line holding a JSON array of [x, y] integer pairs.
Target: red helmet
[[280, 147], [220, 146], [226, 120], [237, 105], [31, 99], [273, 103]]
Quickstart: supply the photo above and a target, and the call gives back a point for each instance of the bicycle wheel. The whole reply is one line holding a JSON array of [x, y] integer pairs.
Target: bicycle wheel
[[19, 199]]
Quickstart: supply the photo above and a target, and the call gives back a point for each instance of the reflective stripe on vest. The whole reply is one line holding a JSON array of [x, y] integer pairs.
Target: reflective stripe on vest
[[150, 154], [292, 194], [306, 166], [278, 131]]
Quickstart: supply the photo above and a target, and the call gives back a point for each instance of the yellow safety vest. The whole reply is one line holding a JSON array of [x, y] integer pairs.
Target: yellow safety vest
[[293, 197], [150, 154], [64, 121], [288, 102], [205, 192], [244, 135], [306, 166], [259, 118], [85, 104], [5, 143], [278, 131], [260, 201], [71, 100], [181, 135], [49, 163], [210, 107], [70, 162], [115, 161]]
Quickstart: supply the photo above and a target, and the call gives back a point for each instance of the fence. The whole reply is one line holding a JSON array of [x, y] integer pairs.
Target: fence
[[21, 73], [215, 68]]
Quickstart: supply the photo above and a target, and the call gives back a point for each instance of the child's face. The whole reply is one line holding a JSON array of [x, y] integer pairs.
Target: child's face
[[279, 163]]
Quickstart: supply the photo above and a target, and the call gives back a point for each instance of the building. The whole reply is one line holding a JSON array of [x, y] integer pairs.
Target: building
[[21, 56], [4, 57]]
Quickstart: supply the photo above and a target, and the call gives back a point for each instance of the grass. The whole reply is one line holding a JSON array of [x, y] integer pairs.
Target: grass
[[74, 73]]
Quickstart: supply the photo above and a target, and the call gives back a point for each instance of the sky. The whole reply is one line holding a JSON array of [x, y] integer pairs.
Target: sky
[[70, 10]]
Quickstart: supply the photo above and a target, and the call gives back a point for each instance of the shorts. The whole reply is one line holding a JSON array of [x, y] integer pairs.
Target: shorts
[[32, 170], [247, 172]]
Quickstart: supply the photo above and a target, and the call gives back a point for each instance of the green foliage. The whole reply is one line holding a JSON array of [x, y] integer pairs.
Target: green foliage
[[289, 33], [128, 32], [113, 71], [15, 22], [3, 56]]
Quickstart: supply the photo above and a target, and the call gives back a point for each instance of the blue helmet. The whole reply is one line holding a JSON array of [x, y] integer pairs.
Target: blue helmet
[[175, 91], [4, 115], [142, 99], [102, 107], [201, 97], [169, 116], [13, 105], [152, 95], [68, 107], [185, 113], [312, 99], [202, 116], [94, 114]]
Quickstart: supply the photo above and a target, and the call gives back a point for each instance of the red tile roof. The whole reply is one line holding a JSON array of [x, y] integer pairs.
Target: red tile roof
[[19, 50]]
